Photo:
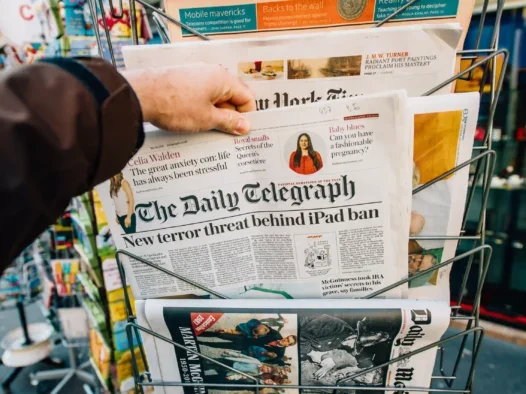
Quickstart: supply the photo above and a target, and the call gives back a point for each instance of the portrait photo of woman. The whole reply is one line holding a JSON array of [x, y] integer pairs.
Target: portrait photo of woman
[[305, 160], [122, 195]]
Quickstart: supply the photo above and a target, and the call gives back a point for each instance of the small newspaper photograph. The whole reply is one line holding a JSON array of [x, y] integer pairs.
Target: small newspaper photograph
[[222, 19], [444, 132], [284, 71], [313, 203], [315, 343]]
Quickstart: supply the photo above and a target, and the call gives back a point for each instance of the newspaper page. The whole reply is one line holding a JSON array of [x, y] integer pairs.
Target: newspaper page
[[222, 19], [293, 70], [444, 132], [231, 212], [300, 342]]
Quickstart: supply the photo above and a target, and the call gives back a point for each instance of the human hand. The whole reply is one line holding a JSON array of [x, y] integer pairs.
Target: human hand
[[127, 221], [192, 98], [326, 365], [320, 373]]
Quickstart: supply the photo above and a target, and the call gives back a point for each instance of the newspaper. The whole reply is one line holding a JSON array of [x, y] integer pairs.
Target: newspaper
[[298, 69], [444, 132], [251, 18], [301, 342], [231, 212]]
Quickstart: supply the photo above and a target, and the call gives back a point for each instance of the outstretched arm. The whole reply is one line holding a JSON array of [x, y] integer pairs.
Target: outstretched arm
[[68, 124], [65, 126]]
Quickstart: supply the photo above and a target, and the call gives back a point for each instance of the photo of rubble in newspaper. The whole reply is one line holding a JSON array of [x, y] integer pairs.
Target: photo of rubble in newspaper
[[300, 343], [336, 346]]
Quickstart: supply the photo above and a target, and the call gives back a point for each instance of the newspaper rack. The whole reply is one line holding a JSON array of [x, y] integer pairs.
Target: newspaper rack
[[484, 162]]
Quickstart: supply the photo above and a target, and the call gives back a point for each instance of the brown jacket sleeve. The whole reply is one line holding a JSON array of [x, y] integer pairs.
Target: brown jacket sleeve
[[65, 126]]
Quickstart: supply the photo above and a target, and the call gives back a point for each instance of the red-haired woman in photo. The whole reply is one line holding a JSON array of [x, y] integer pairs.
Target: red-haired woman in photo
[[305, 160]]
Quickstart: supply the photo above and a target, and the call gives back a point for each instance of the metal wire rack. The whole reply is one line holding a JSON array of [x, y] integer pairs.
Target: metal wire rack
[[479, 254]]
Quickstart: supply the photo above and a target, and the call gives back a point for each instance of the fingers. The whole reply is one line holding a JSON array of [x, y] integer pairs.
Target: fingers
[[227, 105], [229, 121], [247, 107], [239, 95]]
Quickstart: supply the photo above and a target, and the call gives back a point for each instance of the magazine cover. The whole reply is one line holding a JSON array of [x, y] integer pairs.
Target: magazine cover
[[22, 23], [312, 343], [260, 18]]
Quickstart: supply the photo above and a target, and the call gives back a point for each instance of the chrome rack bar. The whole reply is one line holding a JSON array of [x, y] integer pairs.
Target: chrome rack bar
[[112, 10], [396, 13], [140, 383], [173, 20]]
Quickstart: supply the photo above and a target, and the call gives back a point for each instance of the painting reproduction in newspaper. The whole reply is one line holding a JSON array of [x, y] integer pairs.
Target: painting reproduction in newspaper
[[312, 343], [293, 70], [254, 217]]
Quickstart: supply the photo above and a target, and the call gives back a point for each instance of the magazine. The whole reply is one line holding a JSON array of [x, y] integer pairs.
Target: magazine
[[285, 71], [261, 18], [316, 199], [312, 343], [444, 132]]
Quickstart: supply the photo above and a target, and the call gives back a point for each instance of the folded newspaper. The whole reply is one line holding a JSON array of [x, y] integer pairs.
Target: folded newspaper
[[299, 69], [315, 202], [312, 343], [444, 132]]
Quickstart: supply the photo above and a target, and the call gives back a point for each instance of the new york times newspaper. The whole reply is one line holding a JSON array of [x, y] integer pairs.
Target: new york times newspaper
[[316, 200], [312, 343], [293, 70]]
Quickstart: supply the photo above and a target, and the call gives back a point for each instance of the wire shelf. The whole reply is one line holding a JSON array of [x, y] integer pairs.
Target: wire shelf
[[478, 257]]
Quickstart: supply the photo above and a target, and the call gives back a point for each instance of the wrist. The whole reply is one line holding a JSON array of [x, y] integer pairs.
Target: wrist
[[143, 84]]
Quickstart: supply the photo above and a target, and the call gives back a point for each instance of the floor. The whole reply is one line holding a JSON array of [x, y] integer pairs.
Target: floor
[[9, 320], [500, 368]]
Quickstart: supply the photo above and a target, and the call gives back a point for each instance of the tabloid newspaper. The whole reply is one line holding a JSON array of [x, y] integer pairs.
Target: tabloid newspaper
[[311, 343], [314, 203], [299, 69], [250, 18], [444, 132]]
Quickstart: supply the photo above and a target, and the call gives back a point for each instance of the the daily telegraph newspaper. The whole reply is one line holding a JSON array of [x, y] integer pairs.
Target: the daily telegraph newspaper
[[300, 342], [259, 18], [292, 70], [444, 131], [316, 198]]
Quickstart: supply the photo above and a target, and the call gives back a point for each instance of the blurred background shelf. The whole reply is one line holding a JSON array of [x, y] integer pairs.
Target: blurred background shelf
[[505, 288]]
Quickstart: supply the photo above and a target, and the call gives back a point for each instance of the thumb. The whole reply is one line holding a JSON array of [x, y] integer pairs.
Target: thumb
[[229, 121]]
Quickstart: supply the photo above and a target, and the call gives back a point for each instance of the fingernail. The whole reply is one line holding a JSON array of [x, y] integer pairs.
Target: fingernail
[[242, 127]]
